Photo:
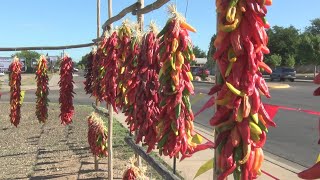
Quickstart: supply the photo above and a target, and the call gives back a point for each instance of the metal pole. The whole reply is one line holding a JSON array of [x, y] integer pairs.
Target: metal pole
[[174, 165], [140, 22], [217, 74], [96, 165], [110, 124], [98, 18]]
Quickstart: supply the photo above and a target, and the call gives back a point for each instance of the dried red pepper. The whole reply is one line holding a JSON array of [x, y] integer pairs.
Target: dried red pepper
[[175, 127], [240, 117], [42, 91], [97, 136], [109, 70], [15, 91], [88, 75], [66, 90], [124, 34], [146, 97]]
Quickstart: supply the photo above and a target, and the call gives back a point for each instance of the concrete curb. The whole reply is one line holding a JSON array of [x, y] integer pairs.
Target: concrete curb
[[270, 85]]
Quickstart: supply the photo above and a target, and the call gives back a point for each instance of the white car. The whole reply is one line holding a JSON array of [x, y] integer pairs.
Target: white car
[[1, 73]]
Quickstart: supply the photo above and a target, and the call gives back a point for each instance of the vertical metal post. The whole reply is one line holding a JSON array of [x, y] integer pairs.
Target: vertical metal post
[[174, 165], [110, 124], [140, 22], [98, 18], [96, 165], [217, 74]]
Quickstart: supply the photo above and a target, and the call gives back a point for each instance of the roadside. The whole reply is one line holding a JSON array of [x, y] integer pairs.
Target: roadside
[[274, 167]]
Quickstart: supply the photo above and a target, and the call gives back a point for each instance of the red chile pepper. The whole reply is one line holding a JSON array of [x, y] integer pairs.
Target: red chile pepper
[[220, 116], [251, 56], [244, 130], [236, 107], [262, 85], [317, 92], [261, 142], [236, 42], [311, 173], [221, 137], [266, 116], [224, 174], [256, 101], [216, 88]]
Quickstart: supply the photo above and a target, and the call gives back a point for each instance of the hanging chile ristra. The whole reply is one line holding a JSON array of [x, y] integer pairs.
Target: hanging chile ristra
[[124, 34], [147, 97], [133, 172], [175, 128], [97, 136], [99, 71], [241, 121], [66, 90], [314, 171], [110, 70], [42, 91], [131, 80], [15, 91], [88, 75]]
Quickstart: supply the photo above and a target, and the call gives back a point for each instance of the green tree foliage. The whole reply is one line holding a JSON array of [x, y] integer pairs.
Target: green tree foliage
[[198, 52], [283, 41], [274, 60], [290, 61], [315, 27], [83, 60], [28, 55], [210, 64]]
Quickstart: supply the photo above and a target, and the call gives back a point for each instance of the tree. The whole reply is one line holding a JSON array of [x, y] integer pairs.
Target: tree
[[274, 60], [283, 41], [290, 61], [315, 27], [83, 60], [309, 49], [198, 52], [28, 55], [210, 64]]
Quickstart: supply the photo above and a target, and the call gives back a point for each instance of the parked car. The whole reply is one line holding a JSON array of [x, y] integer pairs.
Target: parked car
[[1, 73], [202, 72], [283, 73], [75, 70]]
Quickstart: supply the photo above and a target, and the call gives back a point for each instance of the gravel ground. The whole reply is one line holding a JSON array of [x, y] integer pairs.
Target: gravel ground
[[54, 151]]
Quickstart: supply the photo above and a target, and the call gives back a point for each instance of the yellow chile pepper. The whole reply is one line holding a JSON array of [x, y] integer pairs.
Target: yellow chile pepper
[[318, 160], [247, 149], [190, 75], [172, 61], [234, 90], [255, 118], [239, 115], [231, 14], [187, 26], [254, 128], [174, 45], [179, 60], [233, 26]]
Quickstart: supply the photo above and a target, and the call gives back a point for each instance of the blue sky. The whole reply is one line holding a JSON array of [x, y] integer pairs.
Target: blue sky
[[65, 22]]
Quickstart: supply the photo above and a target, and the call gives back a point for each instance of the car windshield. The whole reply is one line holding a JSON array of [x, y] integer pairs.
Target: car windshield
[[288, 70]]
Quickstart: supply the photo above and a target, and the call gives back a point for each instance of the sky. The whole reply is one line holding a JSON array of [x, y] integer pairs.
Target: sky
[[67, 22]]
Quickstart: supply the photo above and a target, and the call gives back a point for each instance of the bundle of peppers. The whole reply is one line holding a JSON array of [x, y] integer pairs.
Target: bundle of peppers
[[147, 98], [175, 128], [131, 80], [124, 34], [42, 91], [66, 90], [241, 120], [97, 136], [133, 172], [110, 70], [15, 91], [314, 171], [96, 74], [88, 75]]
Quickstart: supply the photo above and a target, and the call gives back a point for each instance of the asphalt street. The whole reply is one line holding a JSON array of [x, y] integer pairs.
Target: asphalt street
[[294, 139], [296, 135]]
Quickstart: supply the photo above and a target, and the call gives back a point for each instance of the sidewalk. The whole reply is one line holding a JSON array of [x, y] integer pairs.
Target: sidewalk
[[273, 167]]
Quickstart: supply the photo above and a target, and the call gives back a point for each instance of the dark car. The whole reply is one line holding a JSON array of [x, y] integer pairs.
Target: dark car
[[283, 73]]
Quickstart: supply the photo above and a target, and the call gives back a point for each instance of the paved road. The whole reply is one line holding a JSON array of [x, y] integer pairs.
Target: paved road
[[294, 139], [296, 135]]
